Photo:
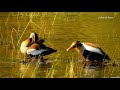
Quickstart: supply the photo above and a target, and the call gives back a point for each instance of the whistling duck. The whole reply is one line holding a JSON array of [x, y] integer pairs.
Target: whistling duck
[[35, 47], [27, 43], [89, 51], [39, 49]]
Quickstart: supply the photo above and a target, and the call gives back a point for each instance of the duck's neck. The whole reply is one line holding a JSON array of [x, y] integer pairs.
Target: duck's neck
[[78, 49]]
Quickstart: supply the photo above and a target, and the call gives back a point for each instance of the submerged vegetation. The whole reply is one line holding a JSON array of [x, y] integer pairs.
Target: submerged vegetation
[[58, 29]]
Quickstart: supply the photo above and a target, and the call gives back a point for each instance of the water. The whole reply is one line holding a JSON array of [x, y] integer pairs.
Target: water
[[59, 29]]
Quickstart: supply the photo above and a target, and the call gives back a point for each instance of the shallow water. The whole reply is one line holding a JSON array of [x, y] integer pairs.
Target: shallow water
[[59, 29]]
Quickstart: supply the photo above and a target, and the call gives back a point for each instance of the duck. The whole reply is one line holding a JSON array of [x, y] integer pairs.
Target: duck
[[34, 47], [36, 50], [28, 42], [89, 52]]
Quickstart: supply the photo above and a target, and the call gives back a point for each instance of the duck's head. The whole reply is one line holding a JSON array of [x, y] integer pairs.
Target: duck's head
[[75, 44], [34, 37]]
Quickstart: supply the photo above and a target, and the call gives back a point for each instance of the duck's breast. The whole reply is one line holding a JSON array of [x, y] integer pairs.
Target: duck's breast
[[24, 50]]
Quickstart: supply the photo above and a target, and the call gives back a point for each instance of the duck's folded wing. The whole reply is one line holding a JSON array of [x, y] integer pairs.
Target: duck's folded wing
[[35, 52], [92, 49], [48, 51]]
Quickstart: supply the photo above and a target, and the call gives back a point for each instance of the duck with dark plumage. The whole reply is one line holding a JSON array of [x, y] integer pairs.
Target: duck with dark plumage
[[89, 51]]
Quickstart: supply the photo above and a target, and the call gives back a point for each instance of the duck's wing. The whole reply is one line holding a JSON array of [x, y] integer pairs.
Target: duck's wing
[[48, 51], [91, 45], [40, 41], [35, 52], [92, 49], [105, 56], [43, 52]]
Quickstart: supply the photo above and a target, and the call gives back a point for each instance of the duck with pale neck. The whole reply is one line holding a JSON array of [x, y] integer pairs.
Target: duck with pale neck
[[28, 42], [89, 51], [34, 47]]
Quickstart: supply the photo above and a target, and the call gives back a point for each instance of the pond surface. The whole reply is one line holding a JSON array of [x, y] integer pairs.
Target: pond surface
[[59, 29]]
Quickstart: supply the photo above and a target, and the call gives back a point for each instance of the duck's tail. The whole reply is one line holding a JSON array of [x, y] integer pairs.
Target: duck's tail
[[105, 56], [48, 51]]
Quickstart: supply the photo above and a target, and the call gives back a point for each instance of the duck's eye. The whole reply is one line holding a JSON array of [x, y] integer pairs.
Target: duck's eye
[[75, 46]]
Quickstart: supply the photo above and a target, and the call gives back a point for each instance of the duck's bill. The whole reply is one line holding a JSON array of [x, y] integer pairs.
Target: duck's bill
[[69, 49]]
